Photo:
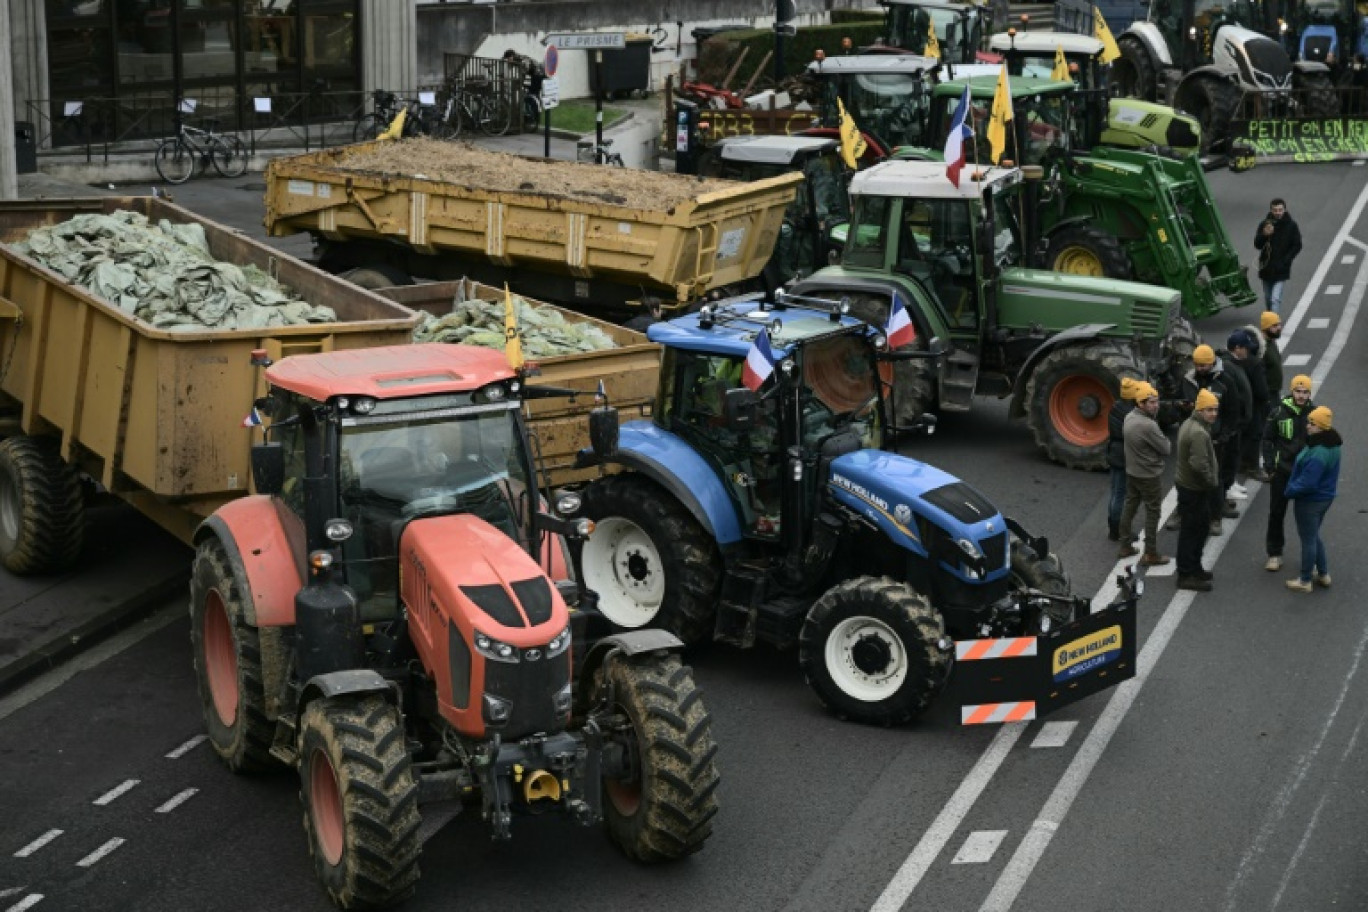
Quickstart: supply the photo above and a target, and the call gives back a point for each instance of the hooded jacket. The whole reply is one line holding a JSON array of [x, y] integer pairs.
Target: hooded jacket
[[1276, 253], [1284, 434], [1315, 474]]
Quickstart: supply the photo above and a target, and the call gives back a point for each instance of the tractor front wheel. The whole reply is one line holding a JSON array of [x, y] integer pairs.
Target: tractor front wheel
[[42, 507], [870, 649], [1086, 249], [662, 807], [1043, 574], [360, 801], [1068, 396], [650, 562]]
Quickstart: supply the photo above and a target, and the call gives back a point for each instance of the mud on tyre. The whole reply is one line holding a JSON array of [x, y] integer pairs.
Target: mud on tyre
[[869, 649], [665, 810], [1068, 396], [42, 507]]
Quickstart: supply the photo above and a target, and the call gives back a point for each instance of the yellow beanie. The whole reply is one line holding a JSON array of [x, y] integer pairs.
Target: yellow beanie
[[1321, 417], [1300, 382], [1203, 354], [1145, 391], [1128, 387], [1206, 399], [1268, 318]]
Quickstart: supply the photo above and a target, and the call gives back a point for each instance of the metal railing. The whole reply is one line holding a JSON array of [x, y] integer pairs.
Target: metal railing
[[504, 78]]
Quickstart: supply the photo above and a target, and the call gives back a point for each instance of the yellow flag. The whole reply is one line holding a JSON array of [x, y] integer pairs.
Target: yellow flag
[[853, 143], [1100, 31], [512, 341], [1000, 117], [396, 127], [1060, 73], [932, 45]]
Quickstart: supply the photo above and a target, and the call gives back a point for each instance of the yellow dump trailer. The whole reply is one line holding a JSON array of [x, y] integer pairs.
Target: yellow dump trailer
[[589, 237], [155, 416], [630, 374]]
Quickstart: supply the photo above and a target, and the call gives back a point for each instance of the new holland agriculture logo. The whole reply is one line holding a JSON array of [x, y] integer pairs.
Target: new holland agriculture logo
[[1087, 654]]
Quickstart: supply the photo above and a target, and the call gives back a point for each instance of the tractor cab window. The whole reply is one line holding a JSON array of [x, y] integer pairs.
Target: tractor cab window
[[891, 106], [397, 468], [868, 232], [286, 431], [936, 247], [839, 392], [1043, 127], [825, 175], [1006, 232]]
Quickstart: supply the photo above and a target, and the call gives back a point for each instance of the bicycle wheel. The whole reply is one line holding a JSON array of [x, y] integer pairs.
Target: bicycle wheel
[[175, 160], [228, 154], [446, 121], [496, 116], [367, 128]]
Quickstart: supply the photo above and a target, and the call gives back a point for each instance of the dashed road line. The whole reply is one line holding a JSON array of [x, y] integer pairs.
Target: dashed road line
[[95, 856], [118, 790], [980, 847], [1319, 322], [38, 843], [187, 747], [28, 902], [1296, 360], [177, 800], [1347, 259], [1054, 734], [1332, 290]]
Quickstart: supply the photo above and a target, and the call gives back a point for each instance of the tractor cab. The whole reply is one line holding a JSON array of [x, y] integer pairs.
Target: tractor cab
[[1042, 118], [886, 94], [1032, 55], [960, 28]]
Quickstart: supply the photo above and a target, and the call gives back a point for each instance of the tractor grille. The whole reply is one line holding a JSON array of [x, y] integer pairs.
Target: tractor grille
[[1147, 319], [961, 502], [494, 601], [995, 551], [1268, 57], [531, 686]]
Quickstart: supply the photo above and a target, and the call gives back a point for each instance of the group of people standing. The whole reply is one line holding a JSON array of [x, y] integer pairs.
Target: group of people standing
[[1236, 420]]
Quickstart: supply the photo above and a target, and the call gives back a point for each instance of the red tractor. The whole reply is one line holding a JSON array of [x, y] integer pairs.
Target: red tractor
[[393, 614]]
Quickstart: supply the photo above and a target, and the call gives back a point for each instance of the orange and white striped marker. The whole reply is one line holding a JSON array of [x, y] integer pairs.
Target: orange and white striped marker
[[1009, 648], [986, 713]]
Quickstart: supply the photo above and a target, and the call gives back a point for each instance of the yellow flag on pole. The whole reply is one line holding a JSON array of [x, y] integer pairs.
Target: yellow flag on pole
[[853, 143], [396, 128], [999, 118], [512, 341], [1060, 73], [1103, 34], [932, 45]]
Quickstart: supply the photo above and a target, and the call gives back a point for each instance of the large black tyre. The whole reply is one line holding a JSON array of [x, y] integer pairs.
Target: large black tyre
[[1182, 341], [870, 650], [1213, 102], [1068, 396], [228, 663], [1044, 574], [665, 810], [1319, 95], [649, 560], [376, 276], [360, 801], [914, 382], [1132, 75], [1087, 249], [42, 507]]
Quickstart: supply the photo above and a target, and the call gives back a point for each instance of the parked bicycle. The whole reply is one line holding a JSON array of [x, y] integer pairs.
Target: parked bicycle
[[600, 154], [177, 157], [422, 119], [478, 104]]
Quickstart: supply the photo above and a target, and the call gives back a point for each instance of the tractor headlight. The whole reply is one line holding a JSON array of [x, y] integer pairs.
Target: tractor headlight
[[880, 342], [495, 650], [559, 643], [967, 547], [363, 405], [337, 530], [494, 392], [584, 527], [569, 504]]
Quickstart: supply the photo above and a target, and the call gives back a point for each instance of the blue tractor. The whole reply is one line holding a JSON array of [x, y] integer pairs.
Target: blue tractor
[[776, 515]]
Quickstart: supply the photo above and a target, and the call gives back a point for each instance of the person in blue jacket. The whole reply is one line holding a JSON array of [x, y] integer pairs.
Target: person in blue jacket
[[1312, 488]]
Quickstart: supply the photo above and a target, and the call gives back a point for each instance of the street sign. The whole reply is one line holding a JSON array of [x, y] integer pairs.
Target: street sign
[[588, 41], [550, 94], [551, 61]]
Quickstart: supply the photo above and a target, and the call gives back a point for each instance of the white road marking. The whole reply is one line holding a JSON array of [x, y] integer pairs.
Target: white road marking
[[979, 847], [101, 852], [1332, 290], [10, 891], [1296, 360], [187, 747], [40, 687], [1359, 164], [116, 791], [38, 843], [1054, 734], [28, 902], [1347, 259], [1318, 323], [177, 800]]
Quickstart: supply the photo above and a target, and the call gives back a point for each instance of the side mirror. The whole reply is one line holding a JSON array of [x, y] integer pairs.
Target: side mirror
[[268, 467], [738, 409], [603, 431]]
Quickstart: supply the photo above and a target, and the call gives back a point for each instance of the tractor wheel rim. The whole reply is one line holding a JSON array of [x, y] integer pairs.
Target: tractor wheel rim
[[1078, 410], [11, 508], [325, 807], [220, 659], [1079, 261], [623, 566], [626, 796], [866, 659]]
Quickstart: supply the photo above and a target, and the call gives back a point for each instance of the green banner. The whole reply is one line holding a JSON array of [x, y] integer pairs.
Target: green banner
[[1317, 139]]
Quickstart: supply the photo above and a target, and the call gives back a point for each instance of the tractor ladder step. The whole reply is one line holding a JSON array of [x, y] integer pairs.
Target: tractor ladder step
[[958, 380]]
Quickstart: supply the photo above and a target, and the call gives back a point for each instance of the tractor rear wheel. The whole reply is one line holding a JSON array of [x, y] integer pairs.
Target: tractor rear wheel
[[1087, 249], [650, 562], [664, 808], [227, 655], [870, 650], [1133, 74], [42, 507], [1044, 574], [360, 800], [1068, 396]]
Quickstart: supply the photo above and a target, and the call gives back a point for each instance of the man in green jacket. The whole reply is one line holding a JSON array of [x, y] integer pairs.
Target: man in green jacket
[[1147, 450], [1195, 479]]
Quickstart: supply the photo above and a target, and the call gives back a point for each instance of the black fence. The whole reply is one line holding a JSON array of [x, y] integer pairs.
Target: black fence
[[506, 79]]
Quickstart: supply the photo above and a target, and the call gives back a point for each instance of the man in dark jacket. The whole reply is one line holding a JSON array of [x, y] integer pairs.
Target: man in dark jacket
[[1116, 455], [1194, 479], [1283, 438], [1209, 373], [1278, 240], [1271, 326], [1230, 441], [1244, 347]]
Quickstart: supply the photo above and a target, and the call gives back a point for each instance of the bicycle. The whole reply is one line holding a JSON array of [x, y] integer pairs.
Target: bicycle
[[478, 103], [177, 157], [600, 154], [422, 119]]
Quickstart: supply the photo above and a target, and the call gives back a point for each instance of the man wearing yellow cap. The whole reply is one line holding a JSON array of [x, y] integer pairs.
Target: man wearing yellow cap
[[1209, 373], [1195, 477], [1312, 488], [1116, 455], [1147, 451], [1284, 437]]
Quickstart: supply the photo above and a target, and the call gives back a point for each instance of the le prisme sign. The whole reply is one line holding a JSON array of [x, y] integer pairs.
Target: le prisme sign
[[587, 41], [1304, 139]]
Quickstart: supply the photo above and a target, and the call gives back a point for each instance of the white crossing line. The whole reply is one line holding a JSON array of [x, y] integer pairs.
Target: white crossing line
[[979, 847], [177, 800], [1334, 289], [101, 852], [187, 747], [38, 843], [28, 902], [1359, 163], [10, 891], [1054, 734], [1318, 323], [116, 791], [1347, 259], [1296, 360]]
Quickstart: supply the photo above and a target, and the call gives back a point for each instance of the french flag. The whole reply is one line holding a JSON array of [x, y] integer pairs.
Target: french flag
[[759, 363], [253, 419], [960, 133], [900, 329]]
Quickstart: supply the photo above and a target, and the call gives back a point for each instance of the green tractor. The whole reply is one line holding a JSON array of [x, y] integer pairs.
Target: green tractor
[[1057, 345], [960, 28], [1119, 213]]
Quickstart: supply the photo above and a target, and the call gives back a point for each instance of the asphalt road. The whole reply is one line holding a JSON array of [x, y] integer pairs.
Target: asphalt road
[[1228, 776]]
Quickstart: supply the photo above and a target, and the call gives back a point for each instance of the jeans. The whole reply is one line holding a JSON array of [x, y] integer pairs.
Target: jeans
[[1195, 525], [1277, 514], [1273, 294], [1150, 492], [1117, 501], [1309, 515]]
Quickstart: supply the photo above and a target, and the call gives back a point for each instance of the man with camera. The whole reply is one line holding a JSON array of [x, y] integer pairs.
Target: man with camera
[[1278, 241]]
